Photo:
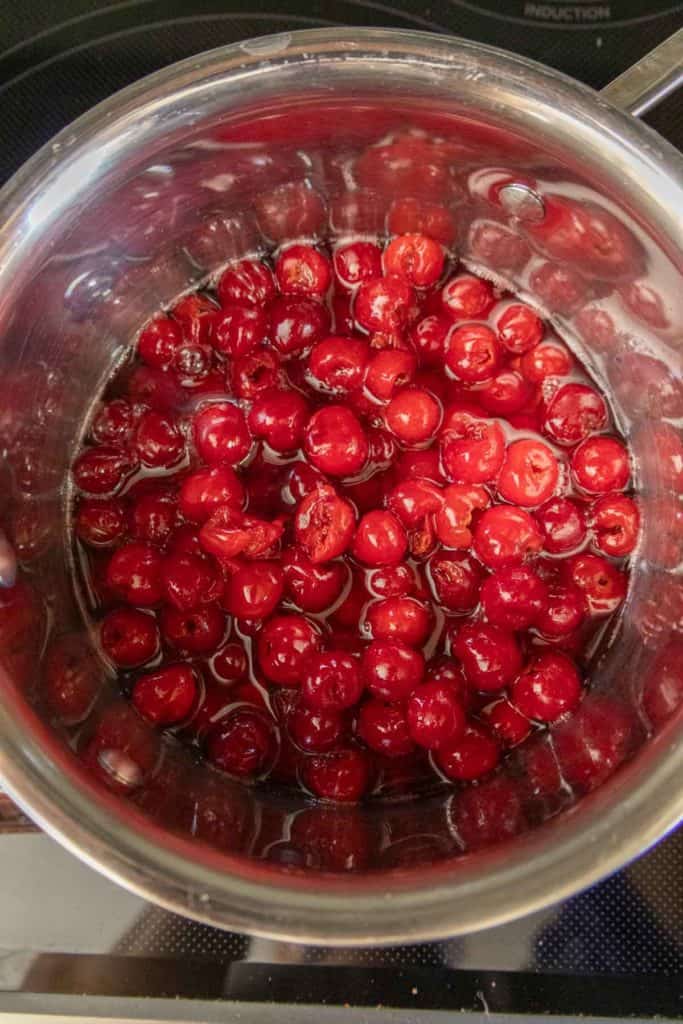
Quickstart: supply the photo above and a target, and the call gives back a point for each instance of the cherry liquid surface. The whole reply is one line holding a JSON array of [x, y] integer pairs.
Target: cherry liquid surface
[[353, 521]]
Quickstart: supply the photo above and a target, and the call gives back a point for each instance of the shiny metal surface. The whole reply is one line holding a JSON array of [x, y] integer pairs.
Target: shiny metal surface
[[107, 222], [652, 79]]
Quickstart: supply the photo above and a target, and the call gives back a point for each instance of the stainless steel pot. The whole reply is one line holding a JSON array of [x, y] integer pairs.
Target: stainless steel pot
[[157, 187]]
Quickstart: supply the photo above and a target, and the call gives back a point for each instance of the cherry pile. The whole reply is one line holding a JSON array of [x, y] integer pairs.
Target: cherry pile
[[348, 508]]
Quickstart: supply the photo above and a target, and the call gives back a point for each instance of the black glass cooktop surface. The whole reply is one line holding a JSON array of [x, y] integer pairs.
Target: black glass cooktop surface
[[71, 943]]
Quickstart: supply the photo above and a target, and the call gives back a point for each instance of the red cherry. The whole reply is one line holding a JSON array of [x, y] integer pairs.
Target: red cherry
[[73, 678], [101, 524], [473, 353], [342, 314], [229, 663], [247, 281], [254, 590], [399, 618], [504, 394], [380, 539], [331, 682], [384, 728], [530, 473], [242, 743], [435, 718], [190, 581], [574, 412], [385, 304], [254, 373], [184, 540], [221, 434], [279, 417], [413, 415], [472, 448], [490, 656], [103, 469], [472, 755], [158, 441], [297, 323], [315, 731], [417, 259], [454, 518], [455, 579], [313, 587], [167, 696], [335, 441], [154, 516], [356, 263], [514, 597], [113, 423], [229, 533], [240, 329], [154, 388], [285, 646], [505, 535], [562, 524], [197, 316], [192, 367], [123, 751], [129, 637], [391, 670], [547, 688], [423, 463], [550, 359], [519, 329], [409, 215], [429, 339], [388, 371], [339, 363], [564, 611], [324, 525], [601, 464], [466, 297], [343, 775], [507, 724], [200, 631], [615, 522], [134, 574], [302, 270], [603, 585], [391, 581], [302, 480], [203, 491], [412, 500], [159, 341]]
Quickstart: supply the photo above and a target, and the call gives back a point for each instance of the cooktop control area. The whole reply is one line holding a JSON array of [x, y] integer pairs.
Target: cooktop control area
[[74, 945]]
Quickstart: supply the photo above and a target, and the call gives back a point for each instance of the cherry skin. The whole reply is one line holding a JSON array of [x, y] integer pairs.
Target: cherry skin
[[221, 434], [102, 470], [339, 363], [603, 585], [473, 353], [384, 728], [101, 524], [490, 656], [254, 590], [228, 533], [206, 489], [247, 281], [356, 263], [455, 579], [506, 535], [159, 341], [472, 755], [114, 423], [413, 416], [229, 663], [311, 586], [399, 618], [453, 521], [519, 329], [601, 464], [296, 323], [154, 516], [343, 776], [335, 441], [279, 417], [514, 597], [415, 258], [472, 449], [435, 718], [388, 371], [200, 631], [167, 696], [285, 647], [549, 359], [134, 574], [466, 297], [331, 682], [302, 270], [574, 412], [564, 611], [380, 539], [241, 744], [391, 670], [547, 688], [615, 521], [240, 329], [508, 725], [190, 581], [324, 525], [129, 637], [529, 475], [252, 374], [385, 304], [505, 394], [563, 525], [315, 731]]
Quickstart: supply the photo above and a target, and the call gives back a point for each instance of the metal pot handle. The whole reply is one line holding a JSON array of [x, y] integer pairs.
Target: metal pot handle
[[649, 80]]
